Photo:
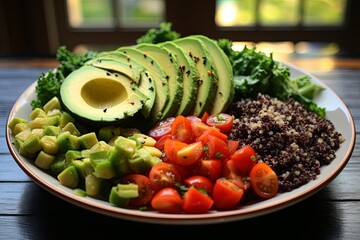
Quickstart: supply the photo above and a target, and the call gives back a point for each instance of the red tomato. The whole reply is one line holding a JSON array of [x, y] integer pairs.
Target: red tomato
[[189, 154], [146, 191], [204, 117], [197, 201], [198, 128], [210, 168], [244, 158], [223, 121], [161, 142], [193, 118], [215, 148], [264, 180], [226, 194], [163, 175], [200, 182], [181, 129], [231, 172], [167, 200], [171, 148], [162, 128], [233, 146], [214, 132]]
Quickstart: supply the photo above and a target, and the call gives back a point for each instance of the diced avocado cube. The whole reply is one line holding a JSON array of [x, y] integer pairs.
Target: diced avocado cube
[[38, 131], [70, 127], [108, 132], [79, 192], [49, 145], [58, 165], [121, 194], [142, 161], [23, 135], [66, 142], [44, 160], [85, 153], [37, 112], [88, 168], [42, 122], [69, 177], [14, 122], [52, 130], [125, 146], [153, 151], [88, 140], [103, 168], [100, 146], [65, 118], [120, 162], [79, 165], [52, 104], [32, 144], [72, 155], [94, 185], [20, 127], [54, 112]]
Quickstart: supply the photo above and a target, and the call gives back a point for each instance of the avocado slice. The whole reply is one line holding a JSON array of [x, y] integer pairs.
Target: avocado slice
[[99, 96], [208, 82], [170, 64], [191, 78], [120, 62], [225, 91], [159, 77]]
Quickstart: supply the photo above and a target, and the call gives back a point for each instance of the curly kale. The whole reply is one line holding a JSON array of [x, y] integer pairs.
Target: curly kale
[[49, 83], [255, 72], [163, 34]]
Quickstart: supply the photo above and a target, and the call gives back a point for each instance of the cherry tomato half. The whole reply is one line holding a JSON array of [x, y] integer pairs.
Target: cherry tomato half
[[167, 200], [226, 194], [163, 175], [181, 129], [197, 201], [200, 182], [223, 121], [244, 158], [264, 180]]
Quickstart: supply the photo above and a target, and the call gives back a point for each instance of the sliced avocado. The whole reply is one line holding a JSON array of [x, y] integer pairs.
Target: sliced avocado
[[191, 78], [119, 62], [225, 91], [159, 76], [170, 64], [208, 82], [100, 96]]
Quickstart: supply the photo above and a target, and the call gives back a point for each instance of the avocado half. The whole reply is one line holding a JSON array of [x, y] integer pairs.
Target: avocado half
[[100, 96]]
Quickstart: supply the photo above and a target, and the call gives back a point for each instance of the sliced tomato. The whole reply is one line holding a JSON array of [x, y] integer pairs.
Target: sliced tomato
[[204, 117], [226, 194], [200, 182], [198, 128], [264, 180], [231, 172], [146, 191], [245, 158], [214, 132], [210, 168], [171, 148], [161, 142], [161, 128], [197, 201], [164, 175], [189, 154], [167, 200], [215, 148], [223, 121], [181, 129], [233, 146]]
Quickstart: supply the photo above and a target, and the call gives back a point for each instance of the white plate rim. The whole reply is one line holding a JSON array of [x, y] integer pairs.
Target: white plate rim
[[281, 201]]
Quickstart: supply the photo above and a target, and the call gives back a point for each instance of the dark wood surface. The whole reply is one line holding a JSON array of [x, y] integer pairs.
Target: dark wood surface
[[29, 212]]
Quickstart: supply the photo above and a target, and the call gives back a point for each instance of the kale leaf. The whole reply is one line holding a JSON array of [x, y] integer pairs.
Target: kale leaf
[[162, 34]]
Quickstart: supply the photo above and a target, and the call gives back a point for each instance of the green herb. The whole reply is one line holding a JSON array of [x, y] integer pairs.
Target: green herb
[[255, 72], [49, 83], [162, 34]]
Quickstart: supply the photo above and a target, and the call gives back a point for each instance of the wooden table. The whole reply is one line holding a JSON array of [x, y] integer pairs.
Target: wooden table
[[29, 212]]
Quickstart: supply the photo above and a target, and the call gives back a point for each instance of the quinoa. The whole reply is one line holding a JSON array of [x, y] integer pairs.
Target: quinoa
[[293, 141]]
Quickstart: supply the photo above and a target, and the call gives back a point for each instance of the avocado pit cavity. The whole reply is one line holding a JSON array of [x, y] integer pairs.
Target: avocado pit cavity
[[103, 93]]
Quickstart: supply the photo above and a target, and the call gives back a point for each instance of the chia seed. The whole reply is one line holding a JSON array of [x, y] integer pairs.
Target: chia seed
[[293, 141]]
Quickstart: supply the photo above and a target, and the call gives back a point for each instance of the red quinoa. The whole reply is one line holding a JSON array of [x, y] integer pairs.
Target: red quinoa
[[292, 140]]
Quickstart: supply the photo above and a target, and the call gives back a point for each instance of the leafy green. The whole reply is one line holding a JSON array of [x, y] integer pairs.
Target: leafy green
[[49, 83], [255, 72], [162, 34]]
